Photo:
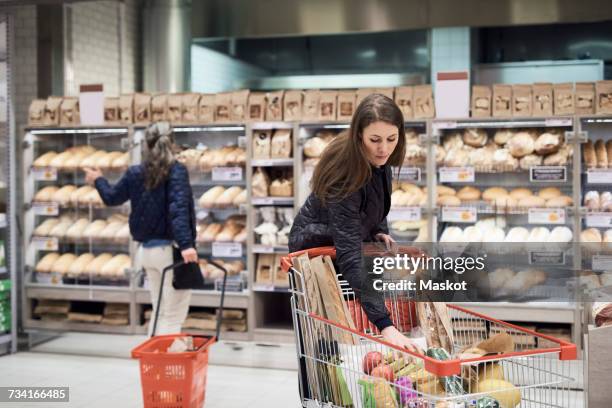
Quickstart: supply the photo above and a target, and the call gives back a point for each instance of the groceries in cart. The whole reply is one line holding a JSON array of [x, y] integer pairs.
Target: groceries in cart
[[181, 345]]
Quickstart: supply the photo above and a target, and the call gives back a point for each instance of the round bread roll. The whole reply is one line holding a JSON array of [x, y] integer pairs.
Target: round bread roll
[[481, 158], [92, 160], [121, 162], [468, 193], [520, 192], [45, 228], [439, 154], [457, 157], [123, 235], [46, 194], [539, 234], [314, 147], [547, 143], [94, 229], [452, 234], [592, 200], [472, 234], [559, 202], [228, 196], [606, 201], [559, 158], [113, 268], [75, 232], [491, 222], [517, 234], [549, 192], [397, 198], [591, 235], [504, 161], [520, 144], [59, 160], [47, 261], [502, 136], [496, 234], [499, 277], [444, 190], [240, 198], [62, 196], [95, 266], [448, 200], [207, 200], [607, 238], [505, 202], [453, 141], [531, 160], [531, 202], [78, 266], [45, 159], [561, 234], [110, 230], [63, 263], [475, 137], [491, 193]]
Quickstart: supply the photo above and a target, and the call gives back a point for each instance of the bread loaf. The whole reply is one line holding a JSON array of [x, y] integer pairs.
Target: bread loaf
[[591, 235], [123, 235], [549, 192], [531, 202], [241, 236], [240, 198], [121, 162], [75, 160], [93, 198], [521, 144], [228, 232], [516, 235], [547, 143], [468, 193], [219, 157], [92, 160], [592, 200], [439, 154], [59, 160], [531, 160], [231, 159], [63, 263], [448, 200], [46, 194], [77, 195], [520, 192], [47, 261], [559, 202], [78, 266], [539, 235], [75, 232], [207, 200], [504, 202], [472, 234], [607, 238], [94, 229], [475, 137], [45, 228], [492, 193], [314, 147], [110, 230], [481, 159], [561, 234], [113, 268], [602, 154], [504, 161], [456, 157], [452, 234], [228, 196], [444, 190], [606, 201], [262, 140], [397, 198], [560, 158], [62, 196], [588, 155], [495, 234], [44, 160], [281, 144], [95, 266], [492, 222], [502, 136], [453, 141], [260, 183], [609, 152], [61, 228], [281, 188], [210, 232]]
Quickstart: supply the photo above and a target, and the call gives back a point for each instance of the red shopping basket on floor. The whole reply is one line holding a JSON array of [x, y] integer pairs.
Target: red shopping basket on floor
[[175, 380]]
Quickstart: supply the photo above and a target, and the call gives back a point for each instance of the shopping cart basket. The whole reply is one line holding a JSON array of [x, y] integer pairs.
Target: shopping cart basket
[[331, 359], [175, 380]]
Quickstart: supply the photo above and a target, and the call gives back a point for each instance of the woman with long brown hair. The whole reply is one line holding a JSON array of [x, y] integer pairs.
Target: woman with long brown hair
[[350, 200]]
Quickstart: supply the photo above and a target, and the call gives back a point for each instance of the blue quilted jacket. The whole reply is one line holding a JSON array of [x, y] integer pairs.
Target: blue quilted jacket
[[167, 212]]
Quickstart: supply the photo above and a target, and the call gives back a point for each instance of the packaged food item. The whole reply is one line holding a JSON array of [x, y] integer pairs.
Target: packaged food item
[[310, 108], [521, 100], [142, 108], [281, 188], [293, 105], [175, 108], [190, 106], [256, 111], [262, 144], [274, 106], [265, 265], [240, 100], [502, 100], [223, 102], [260, 183], [564, 99], [206, 109], [603, 95], [281, 144], [542, 99], [69, 112], [327, 105], [423, 102], [36, 112], [481, 101], [126, 109], [584, 98], [159, 107], [346, 106], [388, 92], [52, 111]]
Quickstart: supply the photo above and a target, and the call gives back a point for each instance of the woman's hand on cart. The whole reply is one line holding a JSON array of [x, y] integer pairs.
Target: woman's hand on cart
[[395, 337], [92, 174], [190, 255], [389, 242]]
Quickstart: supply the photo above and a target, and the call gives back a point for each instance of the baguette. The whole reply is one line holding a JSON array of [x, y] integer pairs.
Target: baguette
[[95, 266], [59, 160], [76, 196], [210, 233], [240, 198], [588, 154], [75, 232], [92, 160], [63, 263], [228, 196], [44, 160], [113, 268], [602, 154], [93, 230], [110, 230], [47, 261], [62, 196], [78, 266], [45, 228], [559, 202]]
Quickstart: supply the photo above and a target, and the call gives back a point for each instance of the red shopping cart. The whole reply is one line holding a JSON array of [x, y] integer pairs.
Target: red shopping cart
[[331, 358], [175, 380]]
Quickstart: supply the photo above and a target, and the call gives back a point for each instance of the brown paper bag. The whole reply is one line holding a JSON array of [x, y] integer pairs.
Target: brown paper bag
[[240, 101], [310, 108], [36, 113], [111, 111], [206, 109], [126, 109], [281, 144], [293, 105], [69, 112], [603, 90], [327, 105], [502, 100], [423, 102], [388, 92], [280, 278], [223, 105], [521, 100], [262, 142], [346, 106], [256, 111], [481, 101], [403, 99], [52, 111], [584, 98], [563, 98], [265, 269], [159, 107], [142, 108], [362, 93], [190, 106], [274, 106], [542, 99], [175, 107]]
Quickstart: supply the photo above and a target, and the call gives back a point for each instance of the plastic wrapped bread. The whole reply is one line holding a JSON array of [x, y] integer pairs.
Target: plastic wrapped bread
[[45, 228], [46, 262], [207, 200], [240, 198], [75, 232], [92, 160], [62, 196], [113, 268], [78, 266], [45, 159], [95, 266], [110, 231], [46, 193], [63, 263], [228, 196], [94, 229]]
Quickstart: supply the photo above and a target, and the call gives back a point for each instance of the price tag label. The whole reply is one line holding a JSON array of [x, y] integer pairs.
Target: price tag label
[[45, 174], [599, 176], [45, 244], [409, 174], [404, 214], [227, 173], [447, 124], [459, 214], [263, 288], [45, 208], [548, 174], [263, 201], [231, 285], [546, 216], [201, 215], [263, 249], [599, 220], [546, 258], [557, 122], [226, 250], [242, 141], [457, 175], [601, 263]]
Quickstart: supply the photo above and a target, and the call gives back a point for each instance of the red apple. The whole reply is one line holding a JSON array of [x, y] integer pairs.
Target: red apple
[[383, 371], [371, 361]]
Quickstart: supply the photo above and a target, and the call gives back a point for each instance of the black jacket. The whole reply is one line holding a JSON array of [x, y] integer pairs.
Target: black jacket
[[346, 225], [167, 212]]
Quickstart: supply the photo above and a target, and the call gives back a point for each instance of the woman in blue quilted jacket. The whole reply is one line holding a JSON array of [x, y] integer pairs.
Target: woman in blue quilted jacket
[[162, 214]]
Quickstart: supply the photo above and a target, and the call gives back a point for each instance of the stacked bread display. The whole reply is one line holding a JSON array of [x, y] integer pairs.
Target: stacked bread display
[[598, 201], [313, 147], [407, 195], [232, 230], [594, 235], [69, 196], [114, 230], [502, 198], [494, 230], [104, 265], [506, 281], [206, 159], [79, 157], [597, 154], [223, 197], [506, 149]]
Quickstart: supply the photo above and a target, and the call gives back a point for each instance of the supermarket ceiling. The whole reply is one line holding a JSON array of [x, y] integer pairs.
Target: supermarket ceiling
[[256, 18]]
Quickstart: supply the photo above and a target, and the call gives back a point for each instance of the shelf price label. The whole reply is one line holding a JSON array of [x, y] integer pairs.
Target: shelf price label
[[264, 249], [45, 208], [45, 243], [404, 214], [599, 176], [242, 141], [227, 173], [548, 174], [227, 249], [231, 285], [457, 175], [448, 124], [546, 216], [558, 122], [45, 174], [410, 174], [601, 263], [546, 258], [599, 220], [459, 214]]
